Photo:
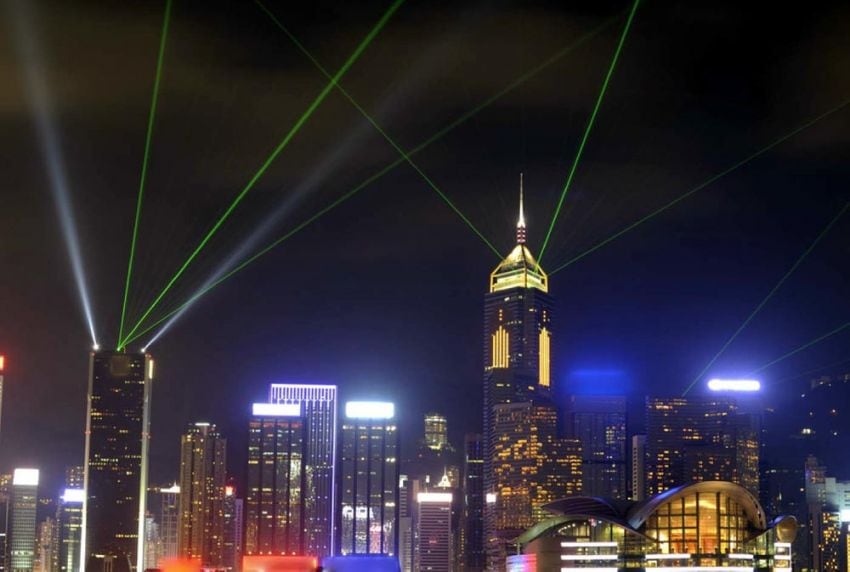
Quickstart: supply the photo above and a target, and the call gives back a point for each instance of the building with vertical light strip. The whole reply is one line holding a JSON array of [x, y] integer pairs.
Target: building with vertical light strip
[[275, 503], [21, 524], [319, 409], [116, 461], [70, 521], [203, 476], [434, 524], [368, 513], [526, 464]]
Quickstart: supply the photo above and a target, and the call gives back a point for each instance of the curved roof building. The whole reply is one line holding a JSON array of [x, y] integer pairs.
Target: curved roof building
[[711, 526]]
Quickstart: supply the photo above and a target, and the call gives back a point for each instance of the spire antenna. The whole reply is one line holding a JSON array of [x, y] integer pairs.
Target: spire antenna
[[520, 224]]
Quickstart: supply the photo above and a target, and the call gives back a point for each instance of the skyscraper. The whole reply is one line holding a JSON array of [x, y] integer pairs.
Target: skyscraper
[[169, 520], [232, 546], [434, 523], [638, 467], [116, 473], [2, 368], [367, 519], [203, 475], [21, 530], [699, 439], [525, 463], [275, 506], [319, 408], [472, 522], [599, 423], [46, 538], [70, 521], [5, 505], [436, 431]]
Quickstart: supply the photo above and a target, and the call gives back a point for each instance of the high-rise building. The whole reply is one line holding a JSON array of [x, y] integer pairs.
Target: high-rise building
[[165, 510], [472, 521], [319, 408], [828, 510], [436, 431], [5, 504], [232, 545], [203, 475], [367, 518], [275, 505], [700, 439], [70, 522], [75, 477], [46, 555], [116, 469], [434, 524], [599, 423], [22, 520], [153, 543], [638, 467], [407, 490], [2, 368]]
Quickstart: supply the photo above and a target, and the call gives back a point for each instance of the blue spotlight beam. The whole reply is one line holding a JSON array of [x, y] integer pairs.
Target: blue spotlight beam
[[767, 298]]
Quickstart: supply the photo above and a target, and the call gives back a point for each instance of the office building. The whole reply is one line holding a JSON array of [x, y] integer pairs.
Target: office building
[[436, 431], [5, 504], [518, 316], [472, 521], [275, 504], [638, 467], [319, 408], [153, 543], [599, 424], [369, 477], [46, 553], [116, 464], [70, 523], [21, 529], [203, 475], [233, 521], [407, 532], [723, 528], [700, 439], [434, 525]]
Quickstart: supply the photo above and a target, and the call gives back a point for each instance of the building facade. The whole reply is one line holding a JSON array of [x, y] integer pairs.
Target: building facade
[[368, 515], [116, 464], [434, 524], [233, 524], [70, 523], [319, 407], [699, 439], [21, 530], [275, 503], [599, 424], [710, 526], [203, 476], [472, 521]]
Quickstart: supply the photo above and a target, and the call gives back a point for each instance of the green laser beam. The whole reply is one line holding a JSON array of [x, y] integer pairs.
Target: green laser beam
[[700, 187], [295, 128], [809, 371], [378, 128], [805, 346], [463, 118], [154, 97], [767, 298], [588, 128]]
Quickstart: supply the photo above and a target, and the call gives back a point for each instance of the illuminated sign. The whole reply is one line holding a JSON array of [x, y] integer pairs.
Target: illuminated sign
[[25, 477], [276, 409], [369, 410], [173, 489], [734, 385], [434, 497], [76, 496]]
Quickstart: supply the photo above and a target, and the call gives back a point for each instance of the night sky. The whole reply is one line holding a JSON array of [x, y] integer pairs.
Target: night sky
[[383, 295]]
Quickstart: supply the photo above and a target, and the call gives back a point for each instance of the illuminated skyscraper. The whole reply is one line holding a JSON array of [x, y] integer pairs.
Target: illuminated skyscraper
[[168, 503], [232, 546], [22, 513], [203, 472], [436, 431], [367, 519], [5, 504], [116, 473], [699, 439], [434, 524], [525, 464], [599, 423], [472, 521], [70, 521], [275, 506], [319, 408], [638, 467], [46, 539]]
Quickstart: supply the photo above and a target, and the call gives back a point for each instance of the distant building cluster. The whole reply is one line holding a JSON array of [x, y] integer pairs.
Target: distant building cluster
[[551, 482]]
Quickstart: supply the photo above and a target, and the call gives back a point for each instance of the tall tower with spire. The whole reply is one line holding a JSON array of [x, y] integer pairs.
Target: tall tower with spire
[[526, 465]]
